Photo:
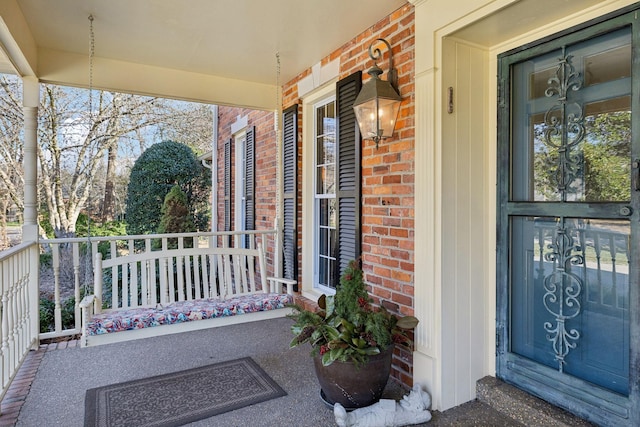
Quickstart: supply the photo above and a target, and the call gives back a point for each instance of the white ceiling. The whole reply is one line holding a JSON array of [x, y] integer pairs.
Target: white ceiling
[[235, 39]]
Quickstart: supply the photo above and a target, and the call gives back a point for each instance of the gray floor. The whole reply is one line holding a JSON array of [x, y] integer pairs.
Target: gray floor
[[57, 393]]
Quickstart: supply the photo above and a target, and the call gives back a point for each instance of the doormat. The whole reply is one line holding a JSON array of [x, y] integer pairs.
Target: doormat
[[182, 397]]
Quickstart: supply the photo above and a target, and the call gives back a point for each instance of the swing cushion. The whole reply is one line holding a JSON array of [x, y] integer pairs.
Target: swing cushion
[[184, 311]]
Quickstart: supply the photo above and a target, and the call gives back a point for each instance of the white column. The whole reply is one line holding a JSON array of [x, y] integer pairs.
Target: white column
[[428, 355], [427, 231], [30, 102], [214, 171]]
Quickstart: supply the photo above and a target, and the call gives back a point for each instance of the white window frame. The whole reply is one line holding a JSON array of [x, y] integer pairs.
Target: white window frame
[[310, 287]]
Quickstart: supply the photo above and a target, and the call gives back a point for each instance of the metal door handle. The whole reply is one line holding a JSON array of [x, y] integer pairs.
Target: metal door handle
[[635, 174]]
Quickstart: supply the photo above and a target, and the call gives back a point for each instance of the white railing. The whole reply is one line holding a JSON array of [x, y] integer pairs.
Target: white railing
[[604, 266], [18, 308], [70, 273]]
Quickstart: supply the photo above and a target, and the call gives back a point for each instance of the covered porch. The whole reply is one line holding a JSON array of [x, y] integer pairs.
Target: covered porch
[[429, 200], [52, 383]]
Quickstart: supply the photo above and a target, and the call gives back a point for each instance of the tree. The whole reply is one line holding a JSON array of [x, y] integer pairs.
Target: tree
[[175, 213], [156, 171], [11, 146], [85, 148], [598, 166]]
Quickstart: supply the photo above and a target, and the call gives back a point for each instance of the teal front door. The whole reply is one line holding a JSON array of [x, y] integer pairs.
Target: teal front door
[[569, 213]]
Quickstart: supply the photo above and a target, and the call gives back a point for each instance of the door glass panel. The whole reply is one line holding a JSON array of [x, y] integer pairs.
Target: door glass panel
[[569, 273], [612, 64], [572, 121], [570, 310]]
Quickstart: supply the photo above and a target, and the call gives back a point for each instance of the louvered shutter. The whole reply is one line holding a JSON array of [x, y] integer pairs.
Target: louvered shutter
[[227, 185], [290, 192], [250, 182], [348, 171]]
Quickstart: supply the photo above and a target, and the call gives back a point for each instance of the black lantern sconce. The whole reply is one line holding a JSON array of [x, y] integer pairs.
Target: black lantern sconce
[[378, 103]]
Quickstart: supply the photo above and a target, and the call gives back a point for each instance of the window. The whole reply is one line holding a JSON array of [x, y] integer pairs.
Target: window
[[331, 185], [325, 193], [242, 146], [240, 206]]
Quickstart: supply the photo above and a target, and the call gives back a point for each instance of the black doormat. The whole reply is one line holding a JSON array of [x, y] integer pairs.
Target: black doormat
[[182, 397]]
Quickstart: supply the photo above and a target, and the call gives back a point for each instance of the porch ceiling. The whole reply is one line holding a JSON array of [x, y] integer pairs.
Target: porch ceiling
[[225, 43]]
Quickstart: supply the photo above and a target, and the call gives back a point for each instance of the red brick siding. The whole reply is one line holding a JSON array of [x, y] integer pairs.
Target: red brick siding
[[265, 173], [387, 173]]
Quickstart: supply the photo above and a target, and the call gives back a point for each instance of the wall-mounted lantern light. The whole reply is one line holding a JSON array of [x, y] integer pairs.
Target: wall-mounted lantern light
[[378, 102]]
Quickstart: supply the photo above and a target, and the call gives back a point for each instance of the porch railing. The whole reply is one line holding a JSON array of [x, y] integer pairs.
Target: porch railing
[[18, 308]]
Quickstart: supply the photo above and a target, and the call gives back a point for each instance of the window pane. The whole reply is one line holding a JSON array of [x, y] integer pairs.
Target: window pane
[[609, 65], [602, 166], [572, 124], [332, 212], [538, 82], [320, 174], [325, 181], [332, 273], [322, 271], [330, 179], [324, 242]]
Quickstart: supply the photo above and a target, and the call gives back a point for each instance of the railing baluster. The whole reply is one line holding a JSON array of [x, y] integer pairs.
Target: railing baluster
[[133, 271], [76, 282], [614, 279], [179, 269], [196, 276], [6, 360], [57, 311]]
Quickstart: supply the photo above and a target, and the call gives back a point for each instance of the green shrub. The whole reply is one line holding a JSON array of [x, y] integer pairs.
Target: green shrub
[[156, 171], [47, 314]]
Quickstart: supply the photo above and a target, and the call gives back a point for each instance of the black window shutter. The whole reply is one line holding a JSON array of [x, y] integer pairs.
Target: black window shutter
[[348, 171], [250, 182], [227, 185], [290, 192]]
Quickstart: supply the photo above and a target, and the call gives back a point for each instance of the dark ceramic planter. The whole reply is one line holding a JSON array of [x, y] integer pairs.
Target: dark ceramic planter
[[351, 386]]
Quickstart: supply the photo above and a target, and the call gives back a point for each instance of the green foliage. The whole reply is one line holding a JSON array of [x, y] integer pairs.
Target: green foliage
[[347, 327], [45, 222], [46, 260], [175, 216], [175, 213], [600, 161], [154, 174], [47, 314], [47, 320], [85, 228]]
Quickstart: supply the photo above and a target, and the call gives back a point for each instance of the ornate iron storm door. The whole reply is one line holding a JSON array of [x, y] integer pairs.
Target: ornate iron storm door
[[569, 213]]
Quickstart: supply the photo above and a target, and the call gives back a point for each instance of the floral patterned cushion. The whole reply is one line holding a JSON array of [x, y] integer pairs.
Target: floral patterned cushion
[[184, 311]]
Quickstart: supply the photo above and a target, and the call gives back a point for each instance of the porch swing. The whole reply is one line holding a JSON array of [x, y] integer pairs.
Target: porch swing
[[181, 289]]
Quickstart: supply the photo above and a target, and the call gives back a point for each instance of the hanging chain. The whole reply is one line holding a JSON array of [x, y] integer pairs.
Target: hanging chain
[[89, 251], [278, 91], [92, 43], [279, 148]]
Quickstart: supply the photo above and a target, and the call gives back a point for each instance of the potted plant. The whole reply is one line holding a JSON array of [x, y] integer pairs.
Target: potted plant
[[352, 341]]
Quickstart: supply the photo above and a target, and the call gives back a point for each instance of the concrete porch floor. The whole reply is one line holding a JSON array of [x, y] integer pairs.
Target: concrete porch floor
[[53, 383]]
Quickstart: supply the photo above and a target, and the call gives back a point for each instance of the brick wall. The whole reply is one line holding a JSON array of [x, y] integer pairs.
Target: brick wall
[[265, 172], [387, 174]]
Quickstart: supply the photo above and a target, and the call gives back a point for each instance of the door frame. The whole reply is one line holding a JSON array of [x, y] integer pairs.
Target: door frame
[[600, 405]]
